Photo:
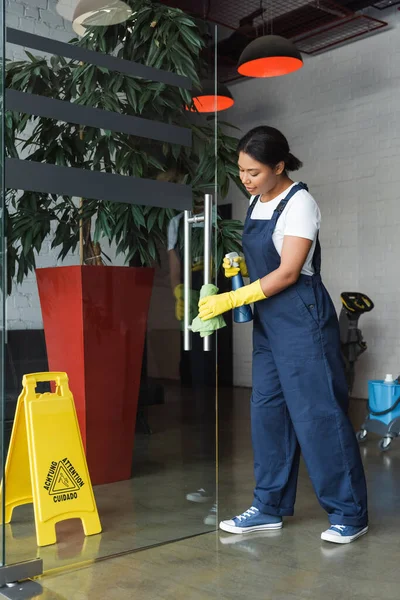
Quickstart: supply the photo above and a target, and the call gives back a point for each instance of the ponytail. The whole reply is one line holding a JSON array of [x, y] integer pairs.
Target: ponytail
[[292, 163]]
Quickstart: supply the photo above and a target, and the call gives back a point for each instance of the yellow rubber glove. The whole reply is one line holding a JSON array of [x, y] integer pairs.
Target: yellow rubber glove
[[212, 306], [198, 265], [231, 271], [179, 304]]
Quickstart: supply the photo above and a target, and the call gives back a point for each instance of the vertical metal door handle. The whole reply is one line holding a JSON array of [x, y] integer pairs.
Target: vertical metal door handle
[[208, 201], [189, 219], [187, 280]]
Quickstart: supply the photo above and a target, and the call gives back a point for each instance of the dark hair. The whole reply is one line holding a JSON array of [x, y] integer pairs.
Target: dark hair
[[269, 146]]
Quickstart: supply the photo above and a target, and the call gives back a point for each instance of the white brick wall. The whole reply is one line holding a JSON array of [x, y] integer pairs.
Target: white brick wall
[[36, 16], [341, 113], [40, 17]]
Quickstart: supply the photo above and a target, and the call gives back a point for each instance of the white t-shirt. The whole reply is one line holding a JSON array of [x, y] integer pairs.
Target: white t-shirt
[[173, 227], [301, 217], [173, 230]]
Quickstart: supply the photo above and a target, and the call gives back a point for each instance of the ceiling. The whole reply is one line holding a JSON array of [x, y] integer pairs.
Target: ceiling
[[314, 26]]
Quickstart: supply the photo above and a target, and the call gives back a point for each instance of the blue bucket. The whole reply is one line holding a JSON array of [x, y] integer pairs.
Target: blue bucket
[[382, 397]]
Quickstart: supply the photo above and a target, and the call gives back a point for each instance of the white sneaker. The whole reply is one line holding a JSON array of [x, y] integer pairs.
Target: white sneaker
[[250, 521], [200, 496], [343, 534]]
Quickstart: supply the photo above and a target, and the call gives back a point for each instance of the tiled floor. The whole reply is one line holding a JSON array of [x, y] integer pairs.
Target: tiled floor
[[286, 565], [292, 564]]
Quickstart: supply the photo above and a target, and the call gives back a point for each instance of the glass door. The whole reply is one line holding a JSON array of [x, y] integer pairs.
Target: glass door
[[2, 282], [112, 192]]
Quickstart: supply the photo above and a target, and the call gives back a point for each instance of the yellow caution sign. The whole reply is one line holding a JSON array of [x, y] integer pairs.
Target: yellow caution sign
[[46, 463]]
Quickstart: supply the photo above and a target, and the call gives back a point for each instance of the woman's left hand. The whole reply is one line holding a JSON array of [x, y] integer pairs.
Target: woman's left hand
[[212, 306]]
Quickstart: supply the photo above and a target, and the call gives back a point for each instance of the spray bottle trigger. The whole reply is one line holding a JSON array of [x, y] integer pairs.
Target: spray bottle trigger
[[231, 256]]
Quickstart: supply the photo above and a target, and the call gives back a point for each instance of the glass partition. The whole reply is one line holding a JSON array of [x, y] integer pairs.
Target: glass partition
[[2, 282], [112, 194]]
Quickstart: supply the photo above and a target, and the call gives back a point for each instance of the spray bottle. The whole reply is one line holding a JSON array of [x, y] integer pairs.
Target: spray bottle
[[242, 314]]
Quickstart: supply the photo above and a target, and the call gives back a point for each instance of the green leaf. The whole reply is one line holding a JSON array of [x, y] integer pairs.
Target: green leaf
[[34, 59], [152, 219], [191, 38], [137, 213], [186, 21], [176, 150], [226, 124]]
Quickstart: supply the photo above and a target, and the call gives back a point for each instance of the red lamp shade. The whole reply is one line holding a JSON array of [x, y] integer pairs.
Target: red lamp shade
[[269, 56], [205, 100]]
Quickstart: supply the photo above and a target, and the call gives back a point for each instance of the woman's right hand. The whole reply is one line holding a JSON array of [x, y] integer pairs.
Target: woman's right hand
[[231, 271]]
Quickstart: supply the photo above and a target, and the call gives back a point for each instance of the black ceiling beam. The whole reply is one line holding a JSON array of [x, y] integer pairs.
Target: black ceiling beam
[[356, 5], [75, 52], [45, 178], [70, 112]]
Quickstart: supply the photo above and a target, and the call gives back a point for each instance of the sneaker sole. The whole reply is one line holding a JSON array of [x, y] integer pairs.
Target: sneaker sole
[[233, 529], [336, 539], [201, 500]]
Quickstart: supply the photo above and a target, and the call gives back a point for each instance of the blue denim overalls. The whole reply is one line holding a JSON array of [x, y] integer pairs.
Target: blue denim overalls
[[300, 398]]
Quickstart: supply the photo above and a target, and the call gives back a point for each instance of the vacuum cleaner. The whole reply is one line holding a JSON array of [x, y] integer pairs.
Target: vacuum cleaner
[[353, 345]]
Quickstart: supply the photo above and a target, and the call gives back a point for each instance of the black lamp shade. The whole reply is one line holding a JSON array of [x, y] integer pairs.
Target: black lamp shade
[[269, 56], [206, 101]]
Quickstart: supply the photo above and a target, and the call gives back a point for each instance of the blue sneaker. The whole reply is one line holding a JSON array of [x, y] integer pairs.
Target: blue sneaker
[[343, 534], [251, 520]]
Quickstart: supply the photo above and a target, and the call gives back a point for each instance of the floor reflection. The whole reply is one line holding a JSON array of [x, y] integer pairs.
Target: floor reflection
[[152, 507]]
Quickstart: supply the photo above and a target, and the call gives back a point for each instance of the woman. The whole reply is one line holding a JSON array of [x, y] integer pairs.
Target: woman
[[299, 400]]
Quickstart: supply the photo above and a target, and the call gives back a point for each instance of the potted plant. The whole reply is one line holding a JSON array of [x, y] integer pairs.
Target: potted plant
[[93, 332]]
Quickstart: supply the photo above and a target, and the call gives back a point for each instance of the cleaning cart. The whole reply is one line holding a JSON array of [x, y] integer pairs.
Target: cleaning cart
[[383, 411]]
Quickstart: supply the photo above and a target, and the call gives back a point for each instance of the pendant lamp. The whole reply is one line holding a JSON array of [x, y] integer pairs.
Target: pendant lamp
[[205, 100], [89, 13], [66, 9], [269, 56]]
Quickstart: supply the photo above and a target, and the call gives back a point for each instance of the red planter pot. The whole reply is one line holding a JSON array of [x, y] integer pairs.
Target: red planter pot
[[95, 324]]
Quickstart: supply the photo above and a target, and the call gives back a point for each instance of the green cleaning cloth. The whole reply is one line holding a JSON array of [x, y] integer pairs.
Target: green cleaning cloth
[[205, 328], [194, 296]]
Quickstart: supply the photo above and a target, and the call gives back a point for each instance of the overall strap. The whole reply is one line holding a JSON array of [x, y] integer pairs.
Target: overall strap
[[252, 205], [296, 188], [316, 262], [280, 208], [250, 209]]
